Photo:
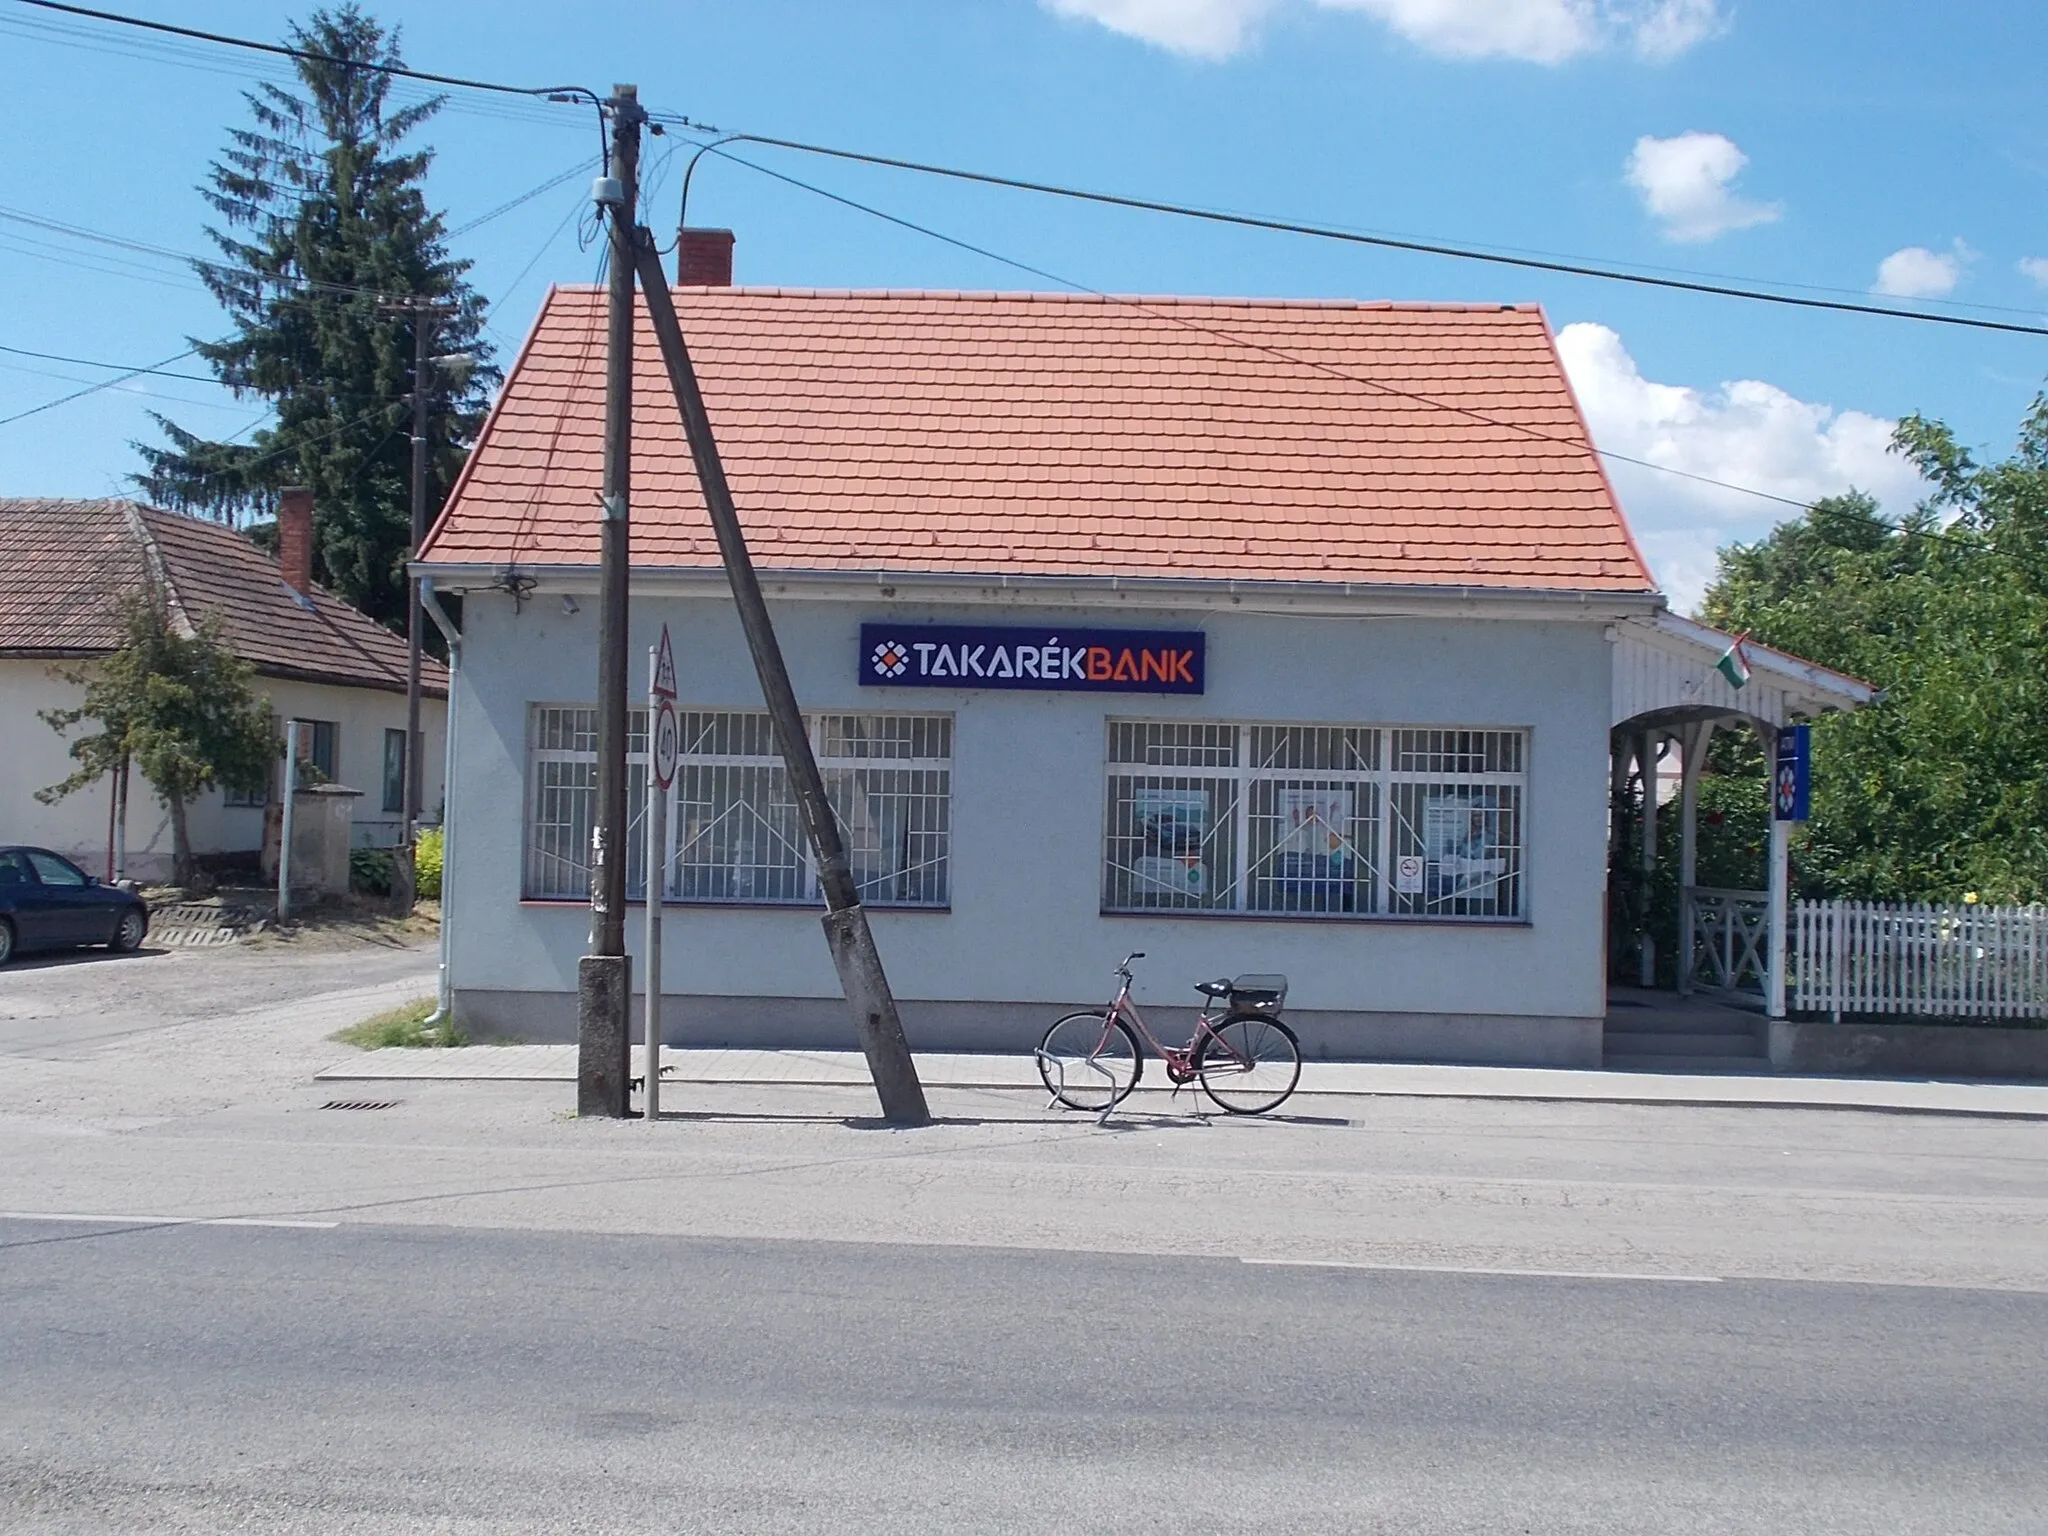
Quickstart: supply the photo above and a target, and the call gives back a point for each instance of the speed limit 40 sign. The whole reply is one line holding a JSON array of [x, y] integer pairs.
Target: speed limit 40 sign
[[667, 740]]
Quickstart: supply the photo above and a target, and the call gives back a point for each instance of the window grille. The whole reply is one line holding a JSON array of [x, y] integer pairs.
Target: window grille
[[1332, 820], [736, 834]]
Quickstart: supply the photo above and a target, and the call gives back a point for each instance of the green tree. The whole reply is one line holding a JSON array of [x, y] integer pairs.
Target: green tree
[[1942, 787], [176, 704], [330, 250]]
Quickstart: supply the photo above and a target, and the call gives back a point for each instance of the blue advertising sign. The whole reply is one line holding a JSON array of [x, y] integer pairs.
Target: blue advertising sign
[[1041, 658], [1792, 775]]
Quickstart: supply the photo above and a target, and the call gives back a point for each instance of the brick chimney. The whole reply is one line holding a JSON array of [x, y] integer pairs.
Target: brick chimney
[[703, 258], [295, 538]]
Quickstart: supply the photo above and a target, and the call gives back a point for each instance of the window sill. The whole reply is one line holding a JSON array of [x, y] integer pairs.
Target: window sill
[[811, 908], [1353, 919]]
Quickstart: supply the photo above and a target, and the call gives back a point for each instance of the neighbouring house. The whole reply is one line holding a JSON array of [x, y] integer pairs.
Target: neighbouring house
[[1256, 635], [64, 567]]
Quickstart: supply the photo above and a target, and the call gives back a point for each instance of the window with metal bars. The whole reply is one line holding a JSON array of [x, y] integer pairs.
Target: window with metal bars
[[735, 835], [1356, 821]]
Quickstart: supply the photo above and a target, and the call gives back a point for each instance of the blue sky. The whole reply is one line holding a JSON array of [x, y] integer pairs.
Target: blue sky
[[1875, 145]]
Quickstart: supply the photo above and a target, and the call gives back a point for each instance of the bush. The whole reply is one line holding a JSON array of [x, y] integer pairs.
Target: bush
[[369, 870], [426, 866]]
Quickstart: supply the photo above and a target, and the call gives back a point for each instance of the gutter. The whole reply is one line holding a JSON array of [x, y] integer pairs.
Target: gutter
[[1231, 594], [444, 991]]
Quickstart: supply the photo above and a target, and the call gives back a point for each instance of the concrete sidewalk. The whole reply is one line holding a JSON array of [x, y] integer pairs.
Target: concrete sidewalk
[[846, 1069]]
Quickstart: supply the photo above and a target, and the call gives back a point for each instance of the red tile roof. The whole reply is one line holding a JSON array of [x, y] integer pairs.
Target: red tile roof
[[1025, 434], [65, 565]]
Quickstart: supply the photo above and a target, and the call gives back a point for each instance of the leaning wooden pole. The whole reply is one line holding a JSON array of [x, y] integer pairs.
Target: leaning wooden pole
[[854, 954]]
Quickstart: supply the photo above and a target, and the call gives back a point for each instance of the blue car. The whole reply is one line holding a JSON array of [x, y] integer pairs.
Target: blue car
[[48, 902]]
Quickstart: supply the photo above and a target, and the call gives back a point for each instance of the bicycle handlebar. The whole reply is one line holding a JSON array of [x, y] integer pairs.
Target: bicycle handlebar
[[1124, 970]]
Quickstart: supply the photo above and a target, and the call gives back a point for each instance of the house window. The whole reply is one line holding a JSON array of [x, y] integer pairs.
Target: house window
[[320, 745], [245, 799], [1353, 821], [394, 771], [735, 834]]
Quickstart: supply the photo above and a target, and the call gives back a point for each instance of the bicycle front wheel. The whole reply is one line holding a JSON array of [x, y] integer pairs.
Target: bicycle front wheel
[[1249, 1063], [1089, 1061]]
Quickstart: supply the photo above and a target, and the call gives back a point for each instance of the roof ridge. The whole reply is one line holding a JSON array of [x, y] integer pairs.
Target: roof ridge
[[1037, 296], [159, 568]]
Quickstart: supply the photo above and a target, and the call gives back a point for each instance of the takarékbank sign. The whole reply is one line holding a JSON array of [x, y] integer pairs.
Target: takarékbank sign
[[1048, 659]]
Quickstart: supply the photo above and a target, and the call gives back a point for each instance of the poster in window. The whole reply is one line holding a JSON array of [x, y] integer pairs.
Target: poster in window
[[1313, 865], [1173, 827], [1457, 827], [1315, 822]]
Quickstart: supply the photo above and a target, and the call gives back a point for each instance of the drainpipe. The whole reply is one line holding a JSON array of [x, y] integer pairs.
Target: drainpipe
[[444, 997]]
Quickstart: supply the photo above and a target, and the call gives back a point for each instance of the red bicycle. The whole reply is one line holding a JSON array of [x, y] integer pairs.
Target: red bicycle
[[1244, 1056]]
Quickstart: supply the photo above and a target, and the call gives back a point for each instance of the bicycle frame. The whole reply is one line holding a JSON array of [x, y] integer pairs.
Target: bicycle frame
[[1179, 1060]]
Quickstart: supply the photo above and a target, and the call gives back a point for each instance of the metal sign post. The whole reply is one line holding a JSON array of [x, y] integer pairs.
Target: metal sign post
[[1791, 789], [663, 742]]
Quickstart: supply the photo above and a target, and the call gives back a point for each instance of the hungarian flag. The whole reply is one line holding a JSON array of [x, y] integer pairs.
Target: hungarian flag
[[1734, 665]]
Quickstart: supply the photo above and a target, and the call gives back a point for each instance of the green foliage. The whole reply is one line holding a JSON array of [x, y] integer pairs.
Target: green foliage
[[369, 870], [1942, 787], [325, 235], [403, 1029], [177, 705], [426, 866]]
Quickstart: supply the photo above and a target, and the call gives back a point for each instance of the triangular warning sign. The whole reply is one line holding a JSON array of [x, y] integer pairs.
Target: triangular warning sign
[[664, 669]]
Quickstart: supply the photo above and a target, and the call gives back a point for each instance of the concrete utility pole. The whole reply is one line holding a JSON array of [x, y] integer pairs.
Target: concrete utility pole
[[604, 979], [852, 944]]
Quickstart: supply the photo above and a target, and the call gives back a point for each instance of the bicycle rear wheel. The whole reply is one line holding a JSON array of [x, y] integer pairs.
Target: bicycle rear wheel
[[1090, 1061], [1250, 1063]]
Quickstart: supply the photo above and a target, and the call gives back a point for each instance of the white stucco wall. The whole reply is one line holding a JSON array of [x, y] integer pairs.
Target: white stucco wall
[[34, 756], [1027, 817]]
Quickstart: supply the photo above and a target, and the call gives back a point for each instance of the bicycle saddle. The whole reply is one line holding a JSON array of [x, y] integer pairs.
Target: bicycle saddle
[[1218, 988]]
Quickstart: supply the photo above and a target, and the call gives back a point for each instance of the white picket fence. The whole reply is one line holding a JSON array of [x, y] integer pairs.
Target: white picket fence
[[1876, 957]]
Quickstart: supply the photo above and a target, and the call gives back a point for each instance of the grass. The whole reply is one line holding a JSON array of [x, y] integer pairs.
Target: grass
[[404, 1029]]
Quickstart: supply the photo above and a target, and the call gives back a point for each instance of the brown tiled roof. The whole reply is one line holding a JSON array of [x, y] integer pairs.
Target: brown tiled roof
[[65, 565], [1023, 434]]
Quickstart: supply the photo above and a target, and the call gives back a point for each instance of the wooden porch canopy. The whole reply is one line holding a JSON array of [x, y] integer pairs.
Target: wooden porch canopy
[[1668, 688]]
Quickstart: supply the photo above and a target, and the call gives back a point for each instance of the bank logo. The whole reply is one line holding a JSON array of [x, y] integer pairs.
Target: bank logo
[[891, 659]]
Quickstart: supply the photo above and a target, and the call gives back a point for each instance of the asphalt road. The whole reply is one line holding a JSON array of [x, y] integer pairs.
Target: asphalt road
[[66, 1004], [388, 1379]]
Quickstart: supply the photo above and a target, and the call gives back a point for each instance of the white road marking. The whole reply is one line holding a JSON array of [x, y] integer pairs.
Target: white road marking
[[1455, 1269], [167, 1221]]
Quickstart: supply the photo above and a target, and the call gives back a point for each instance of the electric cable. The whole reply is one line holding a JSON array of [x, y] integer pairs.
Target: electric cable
[[1171, 314], [93, 389], [89, 362], [1183, 320], [284, 50], [1383, 242]]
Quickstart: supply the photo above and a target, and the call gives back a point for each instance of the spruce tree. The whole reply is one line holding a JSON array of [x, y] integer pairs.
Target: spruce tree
[[327, 239]]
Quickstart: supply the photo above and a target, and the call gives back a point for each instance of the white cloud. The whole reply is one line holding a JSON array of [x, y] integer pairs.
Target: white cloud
[[1746, 433], [1535, 31], [2035, 267], [1918, 273], [1206, 29], [1687, 184], [1663, 31]]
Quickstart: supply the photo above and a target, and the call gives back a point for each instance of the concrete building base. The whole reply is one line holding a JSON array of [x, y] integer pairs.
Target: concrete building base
[[822, 1023], [1911, 1050]]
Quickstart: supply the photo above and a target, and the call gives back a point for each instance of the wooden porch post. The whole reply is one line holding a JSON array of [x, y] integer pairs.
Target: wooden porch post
[[1693, 740]]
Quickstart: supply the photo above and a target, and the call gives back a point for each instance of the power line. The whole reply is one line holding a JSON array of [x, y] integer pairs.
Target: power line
[[88, 362], [1177, 318], [1383, 242], [283, 50], [93, 389]]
